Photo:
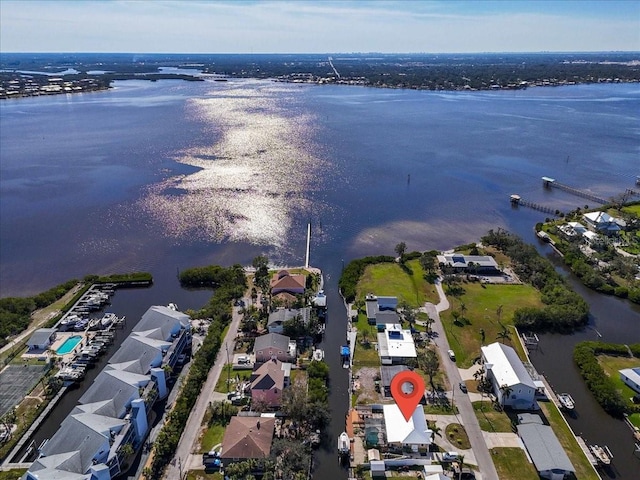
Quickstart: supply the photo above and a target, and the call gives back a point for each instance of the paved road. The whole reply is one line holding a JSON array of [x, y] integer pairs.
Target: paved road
[[184, 459], [461, 400]]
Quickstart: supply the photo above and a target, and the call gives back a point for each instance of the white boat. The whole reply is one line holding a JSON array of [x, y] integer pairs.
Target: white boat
[[566, 401], [344, 444], [602, 454], [107, 320]]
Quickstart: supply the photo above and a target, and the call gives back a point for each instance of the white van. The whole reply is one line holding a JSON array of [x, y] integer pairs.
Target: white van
[[452, 355]]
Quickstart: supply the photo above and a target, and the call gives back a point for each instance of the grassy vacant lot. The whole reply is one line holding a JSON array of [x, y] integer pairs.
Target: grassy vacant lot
[[235, 376], [584, 470], [489, 419], [481, 304], [512, 464], [634, 209], [365, 355], [390, 279], [611, 364]]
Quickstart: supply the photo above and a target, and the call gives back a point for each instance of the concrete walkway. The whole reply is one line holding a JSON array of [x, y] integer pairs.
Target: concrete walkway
[[502, 440]]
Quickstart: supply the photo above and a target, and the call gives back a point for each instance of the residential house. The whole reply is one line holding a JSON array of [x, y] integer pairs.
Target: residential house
[[274, 345], [283, 281], [573, 231], [544, 449], [387, 372], [512, 383], [267, 382], [386, 318], [476, 264], [42, 338], [602, 222], [246, 438], [277, 319], [375, 304], [400, 433], [631, 377], [395, 345]]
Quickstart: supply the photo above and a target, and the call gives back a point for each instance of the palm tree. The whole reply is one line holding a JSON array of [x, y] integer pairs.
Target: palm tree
[[506, 391], [461, 463], [463, 309], [499, 313], [504, 335], [435, 429], [482, 336]]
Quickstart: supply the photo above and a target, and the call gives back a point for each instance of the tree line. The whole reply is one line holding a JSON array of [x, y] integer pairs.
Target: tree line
[[601, 386], [564, 310]]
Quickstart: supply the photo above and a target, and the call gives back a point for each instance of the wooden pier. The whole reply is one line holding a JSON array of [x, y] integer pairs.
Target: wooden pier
[[517, 200], [549, 182]]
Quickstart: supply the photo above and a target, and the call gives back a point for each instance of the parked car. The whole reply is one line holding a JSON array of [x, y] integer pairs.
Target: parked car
[[452, 355], [450, 456], [463, 387]]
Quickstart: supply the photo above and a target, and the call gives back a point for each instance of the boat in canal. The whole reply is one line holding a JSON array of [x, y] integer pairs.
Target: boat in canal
[[602, 454], [566, 401], [345, 353], [344, 444]]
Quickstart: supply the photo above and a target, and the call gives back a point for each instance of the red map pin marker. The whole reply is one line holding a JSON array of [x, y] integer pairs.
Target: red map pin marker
[[407, 388]]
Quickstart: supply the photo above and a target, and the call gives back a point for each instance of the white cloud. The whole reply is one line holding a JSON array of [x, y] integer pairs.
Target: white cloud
[[227, 27]]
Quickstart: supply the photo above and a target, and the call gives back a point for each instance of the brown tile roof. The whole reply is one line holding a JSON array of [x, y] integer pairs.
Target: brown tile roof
[[286, 281], [248, 437]]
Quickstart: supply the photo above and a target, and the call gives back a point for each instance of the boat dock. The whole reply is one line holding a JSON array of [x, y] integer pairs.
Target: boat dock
[[549, 182], [587, 451], [517, 200]]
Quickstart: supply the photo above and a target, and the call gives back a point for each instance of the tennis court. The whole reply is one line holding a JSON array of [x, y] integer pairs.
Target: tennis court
[[16, 381]]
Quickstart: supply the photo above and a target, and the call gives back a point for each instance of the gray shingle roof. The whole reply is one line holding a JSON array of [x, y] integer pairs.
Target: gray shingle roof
[[106, 387], [275, 340], [161, 322], [75, 436], [284, 314], [41, 336]]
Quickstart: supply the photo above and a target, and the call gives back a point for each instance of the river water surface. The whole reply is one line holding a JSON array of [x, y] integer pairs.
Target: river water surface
[[167, 175]]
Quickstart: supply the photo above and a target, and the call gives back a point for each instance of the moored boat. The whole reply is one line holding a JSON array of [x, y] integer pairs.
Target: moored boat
[[566, 401], [344, 444], [603, 454]]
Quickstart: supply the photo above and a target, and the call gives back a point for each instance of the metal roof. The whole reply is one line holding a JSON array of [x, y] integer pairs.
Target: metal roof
[[544, 448]]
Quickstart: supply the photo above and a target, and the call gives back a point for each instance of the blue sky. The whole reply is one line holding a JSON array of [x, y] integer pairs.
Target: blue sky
[[203, 26]]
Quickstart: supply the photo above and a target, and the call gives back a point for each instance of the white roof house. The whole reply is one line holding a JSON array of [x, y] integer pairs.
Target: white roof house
[[414, 433], [508, 374], [601, 222], [631, 376], [395, 345]]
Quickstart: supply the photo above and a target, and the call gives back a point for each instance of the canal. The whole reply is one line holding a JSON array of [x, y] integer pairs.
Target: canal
[[612, 320]]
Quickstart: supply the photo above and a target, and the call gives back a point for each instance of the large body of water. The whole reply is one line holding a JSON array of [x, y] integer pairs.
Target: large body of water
[[167, 175]]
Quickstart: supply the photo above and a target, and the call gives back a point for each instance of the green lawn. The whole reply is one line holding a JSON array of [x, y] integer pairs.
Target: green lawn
[[481, 303], [489, 419], [212, 437], [389, 279], [512, 464], [634, 418], [365, 356], [234, 376], [457, 435], [634, 209], [611, 365], [584, 471]]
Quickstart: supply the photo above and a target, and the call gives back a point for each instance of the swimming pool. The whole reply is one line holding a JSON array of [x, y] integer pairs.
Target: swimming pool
[[69, 344]]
